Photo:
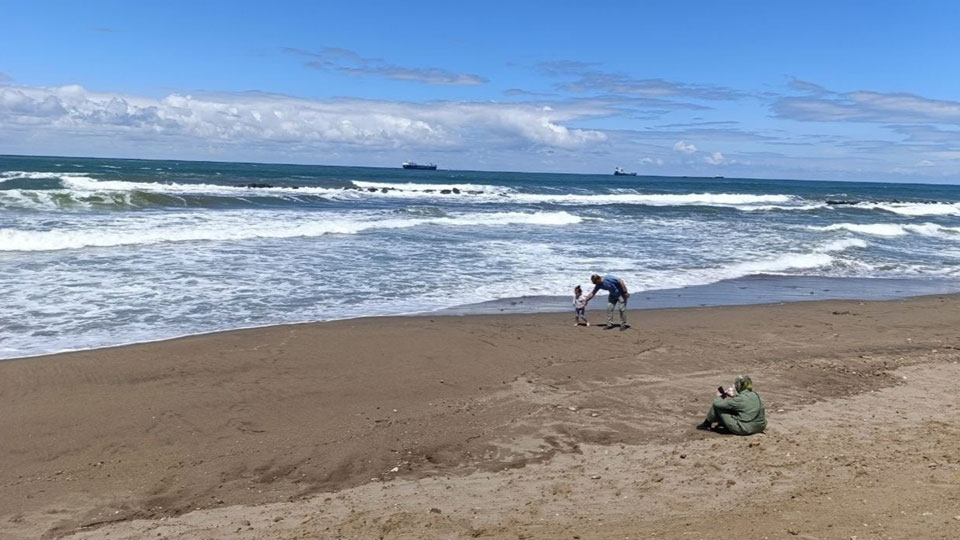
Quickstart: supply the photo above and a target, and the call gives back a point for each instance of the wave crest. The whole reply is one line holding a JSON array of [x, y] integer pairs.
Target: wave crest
[[913, 209], [82, 185], [239, 226], [892, 229]]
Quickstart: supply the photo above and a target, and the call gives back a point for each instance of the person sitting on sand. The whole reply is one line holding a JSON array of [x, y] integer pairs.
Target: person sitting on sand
[[580, 306], [738, 410], [616, 300]]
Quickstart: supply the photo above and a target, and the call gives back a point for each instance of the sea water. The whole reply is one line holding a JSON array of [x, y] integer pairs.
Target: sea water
[[98, 252]]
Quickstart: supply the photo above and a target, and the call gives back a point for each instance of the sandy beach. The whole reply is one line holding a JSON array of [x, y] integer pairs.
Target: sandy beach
[[500, 426]]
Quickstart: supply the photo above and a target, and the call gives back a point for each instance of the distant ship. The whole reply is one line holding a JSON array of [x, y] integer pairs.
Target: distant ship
[[419, 166], [620, 172]]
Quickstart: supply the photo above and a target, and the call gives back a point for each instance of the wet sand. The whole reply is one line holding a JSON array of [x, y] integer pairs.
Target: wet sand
[[498, 426]]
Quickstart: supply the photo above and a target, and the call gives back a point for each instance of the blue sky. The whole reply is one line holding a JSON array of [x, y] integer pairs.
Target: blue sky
[[824, 90]]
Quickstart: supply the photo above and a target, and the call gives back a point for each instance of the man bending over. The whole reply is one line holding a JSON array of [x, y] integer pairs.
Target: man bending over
[[617, 298]]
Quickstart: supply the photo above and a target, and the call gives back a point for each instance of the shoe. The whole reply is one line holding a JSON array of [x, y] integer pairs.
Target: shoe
[[704, 426], [609, 326], [588, 324], [624, 327]]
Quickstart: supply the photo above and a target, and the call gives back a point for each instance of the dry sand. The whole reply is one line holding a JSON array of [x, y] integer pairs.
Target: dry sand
[[505, 427]]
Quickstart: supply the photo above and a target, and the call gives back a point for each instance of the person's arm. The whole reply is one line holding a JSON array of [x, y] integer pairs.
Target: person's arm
[[735, 403], [623, 287], [593, 293]]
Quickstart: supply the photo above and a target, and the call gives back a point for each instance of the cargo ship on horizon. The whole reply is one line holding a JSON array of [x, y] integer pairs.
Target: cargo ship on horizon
[[420, 166]]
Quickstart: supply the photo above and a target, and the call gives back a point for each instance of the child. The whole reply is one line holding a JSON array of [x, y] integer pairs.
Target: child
[[580, 306]]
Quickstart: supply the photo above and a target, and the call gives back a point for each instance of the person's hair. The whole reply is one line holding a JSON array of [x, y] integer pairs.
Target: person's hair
[[595, 277], [742, 383], [577, 289]]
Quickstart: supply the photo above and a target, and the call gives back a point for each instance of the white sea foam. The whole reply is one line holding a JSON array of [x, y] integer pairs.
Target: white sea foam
[[893, 229], [87, 184], [81, 191], [913, 209], [59, 199], [875, 229], [816, 258], [653, 199], [501, 195], [423, 188], [782, 263], [246, 225], [504, 194], [16, 198], [795, 208], [932, 229], [842, 245], [18, 175], [620, 196]]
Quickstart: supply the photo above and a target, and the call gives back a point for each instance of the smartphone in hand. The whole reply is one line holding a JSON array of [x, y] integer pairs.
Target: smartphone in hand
[[723, 393]]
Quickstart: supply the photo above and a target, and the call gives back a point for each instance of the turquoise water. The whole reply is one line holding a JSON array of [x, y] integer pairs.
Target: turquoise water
[[97, 252]]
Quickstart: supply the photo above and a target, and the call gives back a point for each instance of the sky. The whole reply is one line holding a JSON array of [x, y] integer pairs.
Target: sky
[[850, 90]]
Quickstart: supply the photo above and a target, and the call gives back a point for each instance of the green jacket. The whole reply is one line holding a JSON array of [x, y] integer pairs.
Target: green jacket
[[743, 413]]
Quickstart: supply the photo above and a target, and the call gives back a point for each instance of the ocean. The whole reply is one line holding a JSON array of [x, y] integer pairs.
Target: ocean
[[100, 252]]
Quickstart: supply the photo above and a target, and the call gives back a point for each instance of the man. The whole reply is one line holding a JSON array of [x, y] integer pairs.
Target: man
[[617, 298], [740, 412]]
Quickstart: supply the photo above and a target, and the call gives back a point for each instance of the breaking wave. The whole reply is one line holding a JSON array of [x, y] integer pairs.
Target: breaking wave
[[79, 190], [893, 229], [503, 194], [818, 257], [248, 225], [916, 209]]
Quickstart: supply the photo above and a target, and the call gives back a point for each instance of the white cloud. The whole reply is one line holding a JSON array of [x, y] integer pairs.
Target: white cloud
[[651, 161], [925, 163], [258, 118], [715, 158], [684, 148]]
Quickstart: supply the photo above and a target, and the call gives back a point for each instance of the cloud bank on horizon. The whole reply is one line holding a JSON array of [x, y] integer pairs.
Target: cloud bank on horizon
[[450, 100], [259, 119], [923, 135]]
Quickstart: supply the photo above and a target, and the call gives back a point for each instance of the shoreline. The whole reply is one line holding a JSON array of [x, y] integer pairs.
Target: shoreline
[[370, 417], [753, 290]]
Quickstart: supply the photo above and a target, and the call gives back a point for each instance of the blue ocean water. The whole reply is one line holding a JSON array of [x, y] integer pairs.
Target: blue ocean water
[[97, 252]]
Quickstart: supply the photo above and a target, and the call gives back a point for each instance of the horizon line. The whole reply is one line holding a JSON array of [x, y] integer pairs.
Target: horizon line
[[678, 177]]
